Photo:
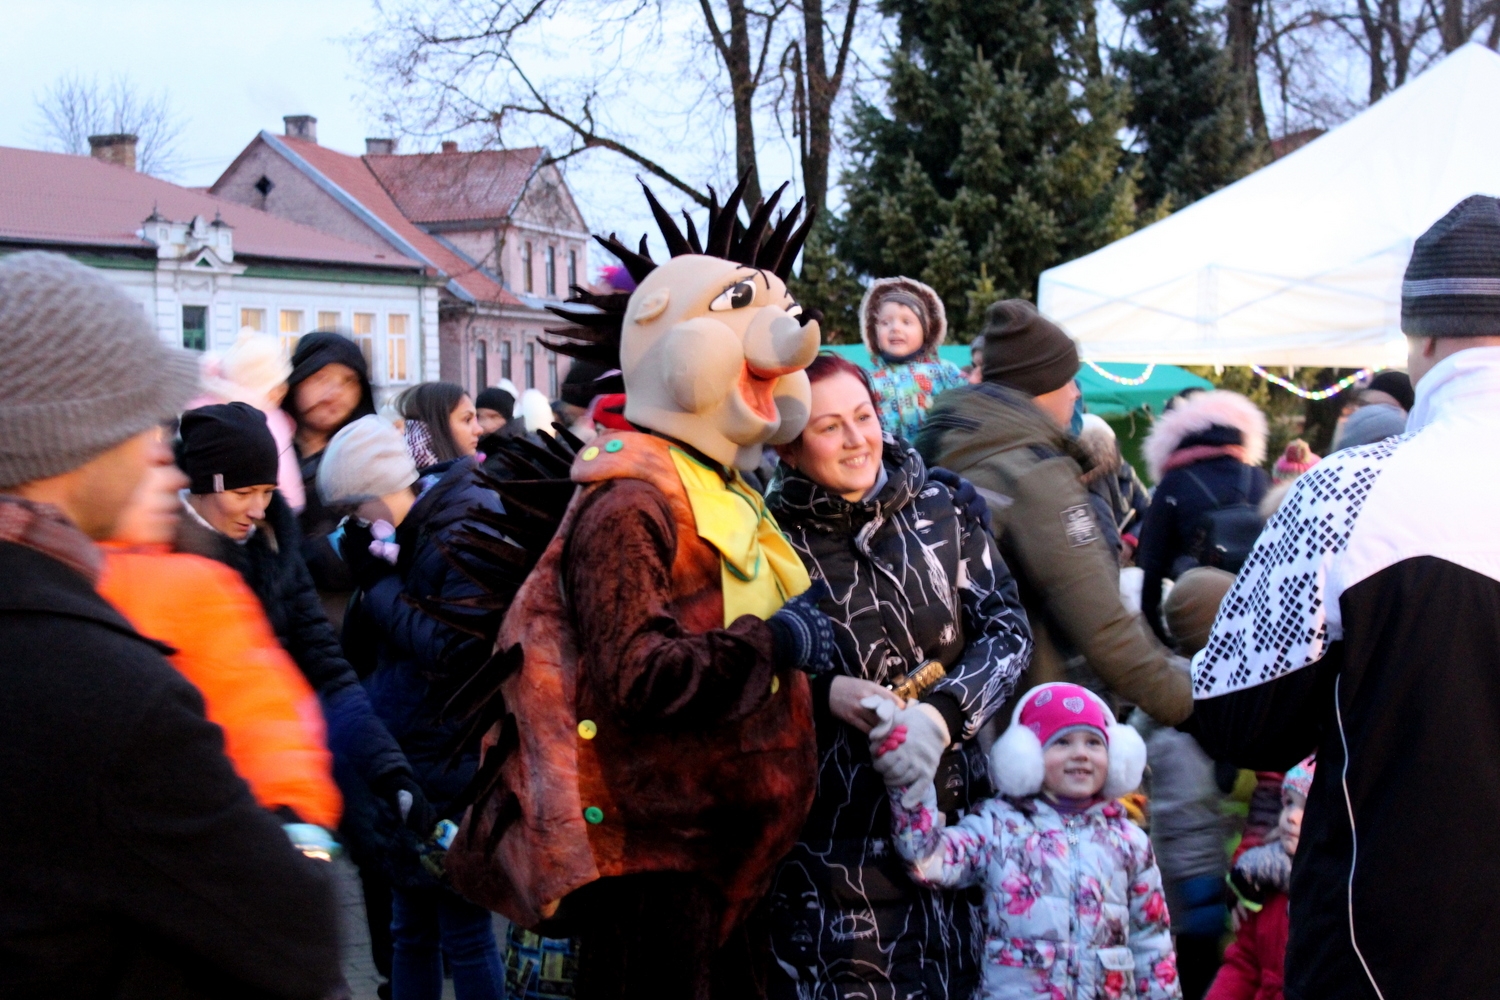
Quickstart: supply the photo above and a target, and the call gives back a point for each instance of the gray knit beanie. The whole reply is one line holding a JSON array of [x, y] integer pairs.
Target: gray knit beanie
[[82, 369], [1452, 282], [366, 460]]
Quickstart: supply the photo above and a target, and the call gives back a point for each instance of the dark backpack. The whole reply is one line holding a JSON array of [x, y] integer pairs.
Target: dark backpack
[[1224, 536]]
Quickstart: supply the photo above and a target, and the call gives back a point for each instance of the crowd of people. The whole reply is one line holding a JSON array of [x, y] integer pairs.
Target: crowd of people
[[867, 715]]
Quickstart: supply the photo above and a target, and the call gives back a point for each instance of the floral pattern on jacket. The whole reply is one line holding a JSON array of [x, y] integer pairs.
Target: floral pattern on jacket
[[1073, 905], [905, 391]]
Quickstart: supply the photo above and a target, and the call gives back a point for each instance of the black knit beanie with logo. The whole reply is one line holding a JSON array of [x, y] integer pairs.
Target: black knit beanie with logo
[[226, 447], [1452, 283]]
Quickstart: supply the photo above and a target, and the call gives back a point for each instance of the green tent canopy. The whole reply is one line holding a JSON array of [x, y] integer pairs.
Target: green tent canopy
[[1101, 395]]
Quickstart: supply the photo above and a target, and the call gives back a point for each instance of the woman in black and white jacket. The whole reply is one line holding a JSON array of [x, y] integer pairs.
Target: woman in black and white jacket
[[914, 579]]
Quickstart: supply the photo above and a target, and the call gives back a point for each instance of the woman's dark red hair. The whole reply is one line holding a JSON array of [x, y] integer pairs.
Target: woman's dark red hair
[[828, 364]]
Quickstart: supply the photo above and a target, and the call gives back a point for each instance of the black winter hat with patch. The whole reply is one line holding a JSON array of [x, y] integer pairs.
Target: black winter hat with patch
[[227, 446]]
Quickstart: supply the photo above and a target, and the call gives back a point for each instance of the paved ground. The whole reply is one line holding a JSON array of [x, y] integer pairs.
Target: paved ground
[[359, 968]]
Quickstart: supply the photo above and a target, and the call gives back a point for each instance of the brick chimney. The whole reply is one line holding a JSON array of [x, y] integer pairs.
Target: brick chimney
[[301, 127], [449, 146], [118, 149], [380, 147]]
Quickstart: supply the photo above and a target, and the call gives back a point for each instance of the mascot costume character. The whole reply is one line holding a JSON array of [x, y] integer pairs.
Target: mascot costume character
[[646, 718]]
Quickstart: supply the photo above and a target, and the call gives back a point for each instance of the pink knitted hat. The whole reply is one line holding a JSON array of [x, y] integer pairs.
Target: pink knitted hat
[[1297, 459], [1057, 709], [1048, 711], [1300, 778]]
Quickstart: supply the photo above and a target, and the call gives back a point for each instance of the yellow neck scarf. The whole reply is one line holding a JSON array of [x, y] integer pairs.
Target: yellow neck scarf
[[759, 568]]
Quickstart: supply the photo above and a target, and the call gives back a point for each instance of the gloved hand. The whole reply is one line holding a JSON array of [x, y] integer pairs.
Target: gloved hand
[[365, 566], [965, 497], [803, 634], [906, 750], [408, 801]]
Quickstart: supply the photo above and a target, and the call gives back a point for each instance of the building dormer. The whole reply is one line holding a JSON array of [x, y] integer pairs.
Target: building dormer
[[182, 240]]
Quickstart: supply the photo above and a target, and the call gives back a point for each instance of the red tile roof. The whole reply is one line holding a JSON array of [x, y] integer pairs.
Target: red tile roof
[[353, 175], [80, 201], [457, 187]]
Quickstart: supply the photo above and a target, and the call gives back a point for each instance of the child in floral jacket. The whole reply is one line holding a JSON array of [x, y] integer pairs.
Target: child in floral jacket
[[1073, 906]]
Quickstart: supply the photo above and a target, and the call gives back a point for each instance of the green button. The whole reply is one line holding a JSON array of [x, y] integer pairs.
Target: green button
[[587, 729], [614, 445], [594, 814]]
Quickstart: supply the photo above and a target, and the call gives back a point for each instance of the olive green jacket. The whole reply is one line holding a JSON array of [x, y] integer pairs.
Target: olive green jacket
[[1028, 470]]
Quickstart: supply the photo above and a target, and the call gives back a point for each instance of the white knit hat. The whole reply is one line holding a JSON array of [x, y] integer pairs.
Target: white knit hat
[[256, 362], [364, 461]]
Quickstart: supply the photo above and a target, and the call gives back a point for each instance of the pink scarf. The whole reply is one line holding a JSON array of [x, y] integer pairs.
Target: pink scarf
[[1199, 452]]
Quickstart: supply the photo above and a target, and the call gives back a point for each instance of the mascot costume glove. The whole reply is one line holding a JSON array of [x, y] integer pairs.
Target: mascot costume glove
[[803, 634]]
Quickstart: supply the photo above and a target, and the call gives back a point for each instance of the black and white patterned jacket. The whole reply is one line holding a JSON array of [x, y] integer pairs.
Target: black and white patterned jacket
[[1366, 625], [912, 580]]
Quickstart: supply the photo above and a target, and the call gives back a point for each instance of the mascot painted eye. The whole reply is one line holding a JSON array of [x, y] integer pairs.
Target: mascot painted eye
[[737, 296]]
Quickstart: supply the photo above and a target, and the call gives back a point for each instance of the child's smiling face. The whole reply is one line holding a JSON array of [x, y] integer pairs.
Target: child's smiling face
[[898, 331], [1076, 764]]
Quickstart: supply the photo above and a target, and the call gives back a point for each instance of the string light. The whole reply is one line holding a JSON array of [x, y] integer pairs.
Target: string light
[[1315, 394], [1122, 380]]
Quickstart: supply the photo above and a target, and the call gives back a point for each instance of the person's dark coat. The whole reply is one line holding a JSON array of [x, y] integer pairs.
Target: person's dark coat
[[412, 643], [912, 579], [1204, 455], [1182, 498], [1029, 471], [137, 864], [367, 759], [315, 352]]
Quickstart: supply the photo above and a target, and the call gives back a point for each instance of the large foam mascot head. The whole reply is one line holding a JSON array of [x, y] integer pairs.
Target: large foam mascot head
[[710, 344]]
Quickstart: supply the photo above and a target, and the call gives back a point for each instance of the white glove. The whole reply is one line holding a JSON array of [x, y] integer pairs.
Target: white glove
[[906, 749]]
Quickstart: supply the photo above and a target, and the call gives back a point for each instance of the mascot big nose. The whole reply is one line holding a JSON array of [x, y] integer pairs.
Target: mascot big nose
[[776, 344]]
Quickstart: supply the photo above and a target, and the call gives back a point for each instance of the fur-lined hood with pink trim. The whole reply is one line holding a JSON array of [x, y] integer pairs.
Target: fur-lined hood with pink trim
[[1198, 413], [937, 316]]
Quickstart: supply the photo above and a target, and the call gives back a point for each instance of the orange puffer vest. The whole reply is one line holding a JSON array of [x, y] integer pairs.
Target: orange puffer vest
[[600, 799]]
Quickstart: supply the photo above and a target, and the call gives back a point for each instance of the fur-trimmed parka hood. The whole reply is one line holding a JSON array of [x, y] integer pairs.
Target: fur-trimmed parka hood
[[1196, 417], [937, 326]]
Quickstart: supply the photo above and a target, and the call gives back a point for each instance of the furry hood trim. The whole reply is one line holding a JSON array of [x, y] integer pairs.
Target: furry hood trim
[[1218, 408], [937, 316]]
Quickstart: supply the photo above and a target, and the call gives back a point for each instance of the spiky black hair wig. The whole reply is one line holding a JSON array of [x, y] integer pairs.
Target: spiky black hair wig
[[595, 331]]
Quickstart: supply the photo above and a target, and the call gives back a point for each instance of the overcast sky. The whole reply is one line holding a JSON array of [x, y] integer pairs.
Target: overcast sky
[[231, 70]]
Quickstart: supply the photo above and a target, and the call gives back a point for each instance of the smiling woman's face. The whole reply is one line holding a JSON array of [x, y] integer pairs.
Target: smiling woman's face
[[840, 449]]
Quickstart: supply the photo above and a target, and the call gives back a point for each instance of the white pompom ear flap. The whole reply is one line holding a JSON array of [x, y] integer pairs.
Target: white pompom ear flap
[[1127, 761], [1016, 762]]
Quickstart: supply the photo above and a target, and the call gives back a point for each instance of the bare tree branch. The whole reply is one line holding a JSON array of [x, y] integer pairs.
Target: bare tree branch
[[75, 107]]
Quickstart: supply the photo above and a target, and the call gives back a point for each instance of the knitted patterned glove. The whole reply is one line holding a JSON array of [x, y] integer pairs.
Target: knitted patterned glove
[[965, 497], [803, 634]]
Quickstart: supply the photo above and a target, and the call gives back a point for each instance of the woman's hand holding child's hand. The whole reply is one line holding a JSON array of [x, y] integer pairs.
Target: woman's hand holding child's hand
[[907, 745]]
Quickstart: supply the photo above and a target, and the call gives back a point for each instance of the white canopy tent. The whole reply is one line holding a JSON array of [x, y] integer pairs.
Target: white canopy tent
[[1299, 263]]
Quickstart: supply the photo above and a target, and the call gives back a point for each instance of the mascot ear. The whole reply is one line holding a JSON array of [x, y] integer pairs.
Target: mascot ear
[[1016, 762], [1127, 761], [653, 306]]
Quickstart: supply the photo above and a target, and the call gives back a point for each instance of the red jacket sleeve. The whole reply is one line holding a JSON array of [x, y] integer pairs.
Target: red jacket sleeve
[[1239, 976]]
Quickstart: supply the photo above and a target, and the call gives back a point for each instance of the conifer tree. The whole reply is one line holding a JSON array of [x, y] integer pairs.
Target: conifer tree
[[1192, 132], [998, 149]]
